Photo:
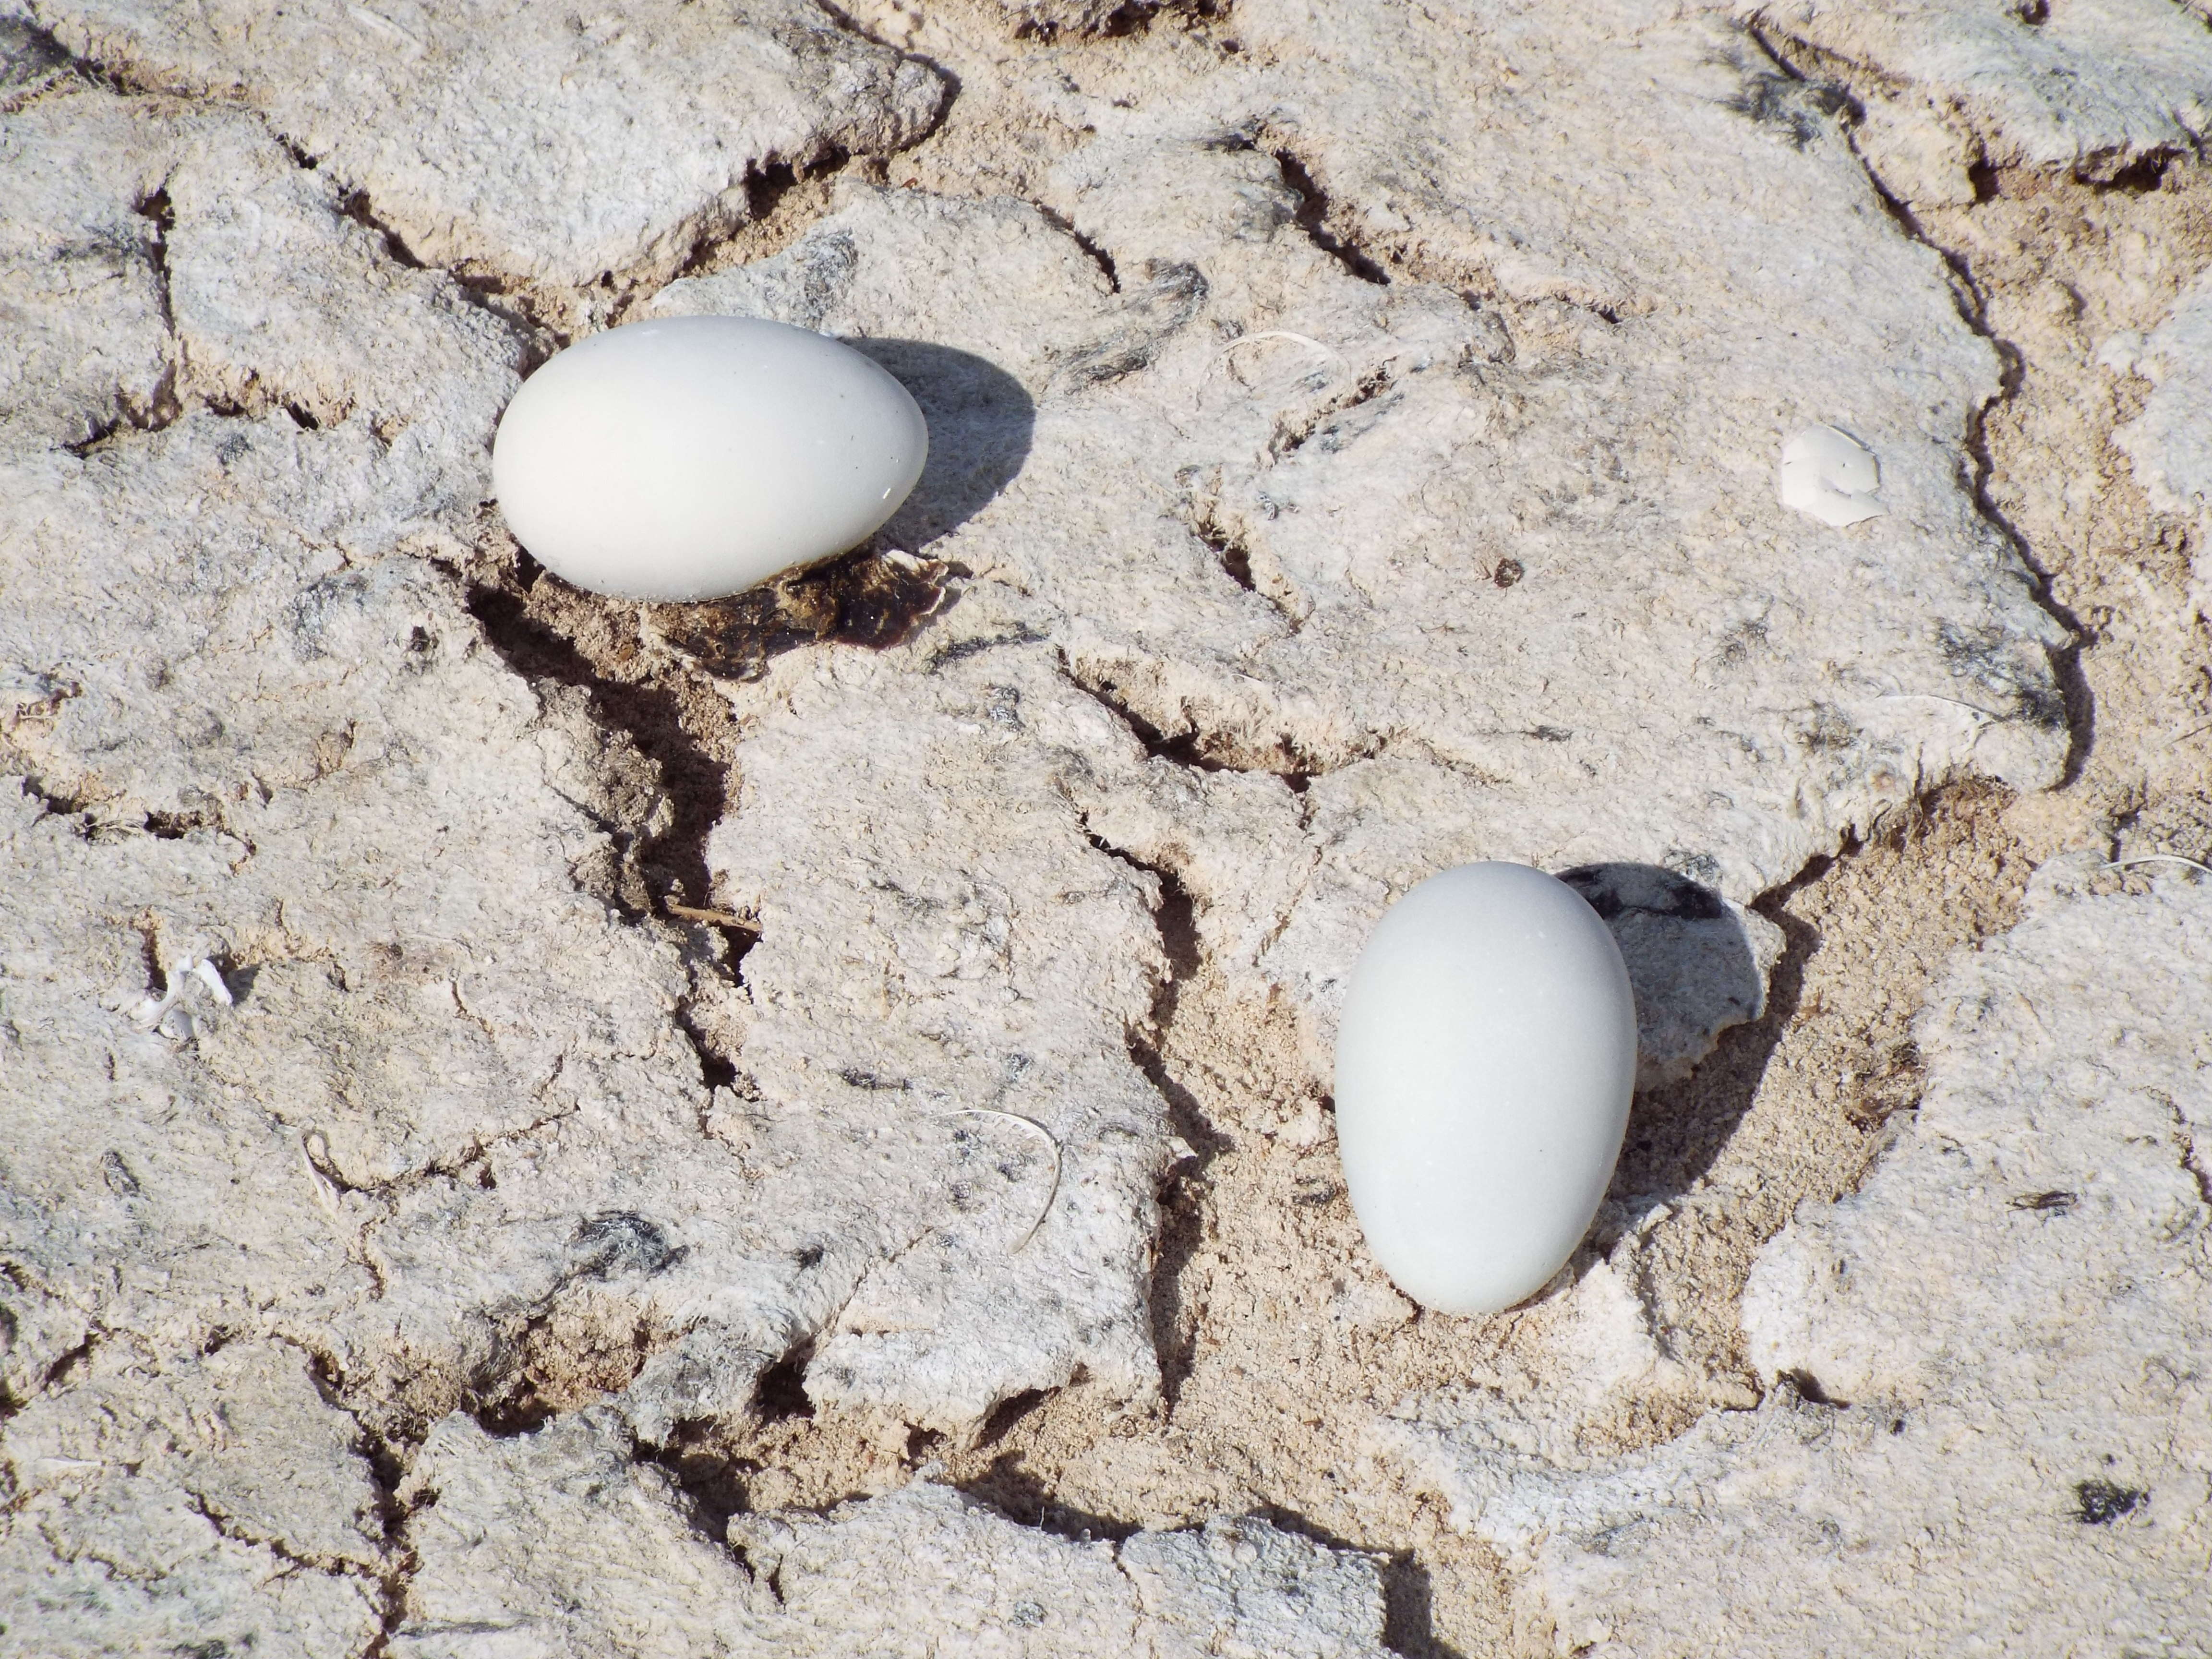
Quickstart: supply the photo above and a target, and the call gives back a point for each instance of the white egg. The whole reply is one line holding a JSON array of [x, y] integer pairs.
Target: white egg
[[1831, 476], [693, 456], [1484, 1066]]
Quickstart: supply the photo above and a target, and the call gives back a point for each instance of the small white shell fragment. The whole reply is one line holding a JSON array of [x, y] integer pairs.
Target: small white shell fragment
[[1831, 474], [154, 1012], [1484, 1067], [688, 458]]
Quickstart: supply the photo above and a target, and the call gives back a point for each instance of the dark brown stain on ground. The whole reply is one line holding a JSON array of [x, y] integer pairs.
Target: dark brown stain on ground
[[862, 599]]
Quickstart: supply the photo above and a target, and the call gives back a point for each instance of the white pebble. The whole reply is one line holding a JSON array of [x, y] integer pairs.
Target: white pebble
[[693, 456], [1484, 1067], [1831, 476]]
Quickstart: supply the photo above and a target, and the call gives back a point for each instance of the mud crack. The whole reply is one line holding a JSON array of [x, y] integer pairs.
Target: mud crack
[[1800, 64], [1209, 749], [1316, 215]]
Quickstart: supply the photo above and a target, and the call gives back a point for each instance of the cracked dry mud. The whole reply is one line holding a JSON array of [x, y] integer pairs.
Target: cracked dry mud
[[799, 1124]]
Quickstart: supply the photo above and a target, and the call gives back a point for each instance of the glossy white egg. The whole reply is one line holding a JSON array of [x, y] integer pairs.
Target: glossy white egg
[[689, 458], [1485, 1063]]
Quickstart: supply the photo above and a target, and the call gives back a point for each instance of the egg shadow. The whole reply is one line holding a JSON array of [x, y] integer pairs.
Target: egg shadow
[[980, 421], [1706, 1020]]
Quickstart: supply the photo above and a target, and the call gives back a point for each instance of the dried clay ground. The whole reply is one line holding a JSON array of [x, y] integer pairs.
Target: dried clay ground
[[1268, 1384], [1284, 1357]]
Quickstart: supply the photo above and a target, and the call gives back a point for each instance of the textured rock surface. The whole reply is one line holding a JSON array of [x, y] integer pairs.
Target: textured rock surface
[[921, 1571], [2005, 1332], [539, 1125], [81, 263], [2167, 443], [158, 250], [932, 827], [527, 142], [2093, 85], [159, 1505], [1235, 1588]]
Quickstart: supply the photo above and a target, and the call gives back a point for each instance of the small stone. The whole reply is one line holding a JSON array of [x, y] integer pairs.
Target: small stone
[[1829, 474]]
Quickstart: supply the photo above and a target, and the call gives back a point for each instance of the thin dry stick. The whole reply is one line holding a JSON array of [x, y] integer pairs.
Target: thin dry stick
[[1050, 1139], [2159, 857], [1933, 696], [720, 918]]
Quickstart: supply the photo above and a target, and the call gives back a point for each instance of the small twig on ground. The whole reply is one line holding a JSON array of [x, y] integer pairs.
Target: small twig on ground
[[720, 918], [1935, 696], [2159, 857]]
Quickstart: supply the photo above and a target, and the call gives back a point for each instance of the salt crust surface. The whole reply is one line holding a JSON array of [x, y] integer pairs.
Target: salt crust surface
[[921, 1571], [525, 141], [2090, 85], [2170, 442], [453, 1117]]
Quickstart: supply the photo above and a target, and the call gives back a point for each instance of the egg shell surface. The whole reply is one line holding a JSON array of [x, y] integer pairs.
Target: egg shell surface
[[1485, 1063], [689, 458]]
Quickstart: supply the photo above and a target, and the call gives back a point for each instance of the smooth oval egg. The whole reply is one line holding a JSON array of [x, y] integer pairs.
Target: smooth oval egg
[[1485, 1063], [689, 458]]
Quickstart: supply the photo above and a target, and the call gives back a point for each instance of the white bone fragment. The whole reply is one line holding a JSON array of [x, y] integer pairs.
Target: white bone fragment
[[154, 1012], [211, 977]]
